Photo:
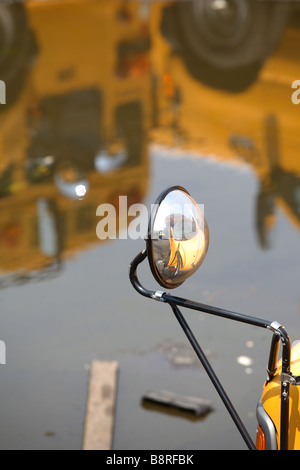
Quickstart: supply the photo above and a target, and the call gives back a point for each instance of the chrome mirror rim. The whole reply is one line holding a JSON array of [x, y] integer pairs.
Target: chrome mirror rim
[[158, 202]]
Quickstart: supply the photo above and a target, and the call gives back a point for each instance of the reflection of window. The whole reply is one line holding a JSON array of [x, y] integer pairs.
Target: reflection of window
[[129, 128], [68, 129], [133, 58], [6, 180], [184, 229], [47, 227], [180, 227]]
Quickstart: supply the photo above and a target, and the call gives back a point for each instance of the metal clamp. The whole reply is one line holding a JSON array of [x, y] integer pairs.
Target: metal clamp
[[275, 326], [271, 373], [158, 295], [290, 379]]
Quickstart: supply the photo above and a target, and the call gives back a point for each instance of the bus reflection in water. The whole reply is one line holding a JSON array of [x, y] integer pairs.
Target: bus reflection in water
[[73, 133], [84, 103]]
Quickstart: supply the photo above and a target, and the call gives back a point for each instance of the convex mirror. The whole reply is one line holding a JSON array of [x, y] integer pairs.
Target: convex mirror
[[178, 237]]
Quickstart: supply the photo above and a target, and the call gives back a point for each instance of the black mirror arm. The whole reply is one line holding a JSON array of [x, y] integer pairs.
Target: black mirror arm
[[133, 276], [173, 300]]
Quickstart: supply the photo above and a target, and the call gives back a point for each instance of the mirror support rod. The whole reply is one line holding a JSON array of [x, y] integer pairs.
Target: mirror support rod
[[203, 359], [216, 311], [273, 326]]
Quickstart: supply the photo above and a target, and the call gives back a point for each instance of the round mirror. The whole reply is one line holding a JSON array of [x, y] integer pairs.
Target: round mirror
[[178, 237]]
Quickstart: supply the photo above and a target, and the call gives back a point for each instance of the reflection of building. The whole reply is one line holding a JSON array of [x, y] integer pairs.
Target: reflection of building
[[253, 122], [75, 134]]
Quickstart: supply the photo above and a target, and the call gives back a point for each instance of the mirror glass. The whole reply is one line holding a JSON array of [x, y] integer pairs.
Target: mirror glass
[[178, 237]]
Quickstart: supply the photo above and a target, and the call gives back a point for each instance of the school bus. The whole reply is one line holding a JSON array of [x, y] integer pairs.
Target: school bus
[[73, 131], [237, 110], [91, 83]]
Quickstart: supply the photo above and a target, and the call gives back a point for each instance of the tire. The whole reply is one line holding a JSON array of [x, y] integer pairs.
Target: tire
[[231, 33], [17, 48]]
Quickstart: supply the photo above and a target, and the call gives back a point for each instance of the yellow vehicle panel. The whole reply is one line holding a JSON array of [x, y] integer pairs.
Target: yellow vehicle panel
[[271, 401]]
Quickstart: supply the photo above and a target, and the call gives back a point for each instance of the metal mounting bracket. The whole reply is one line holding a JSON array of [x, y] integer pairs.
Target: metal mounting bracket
[[290, 379], [158, 295]]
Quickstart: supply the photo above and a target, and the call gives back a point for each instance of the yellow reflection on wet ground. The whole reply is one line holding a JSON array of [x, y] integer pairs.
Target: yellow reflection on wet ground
[[91, 85], [73, 132]]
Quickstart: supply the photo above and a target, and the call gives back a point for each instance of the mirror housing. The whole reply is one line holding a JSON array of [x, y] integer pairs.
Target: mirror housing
[[178, 237]]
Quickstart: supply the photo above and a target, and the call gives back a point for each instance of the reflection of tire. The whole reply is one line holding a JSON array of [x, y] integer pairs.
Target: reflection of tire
[[231, 33], [233, 80], [17, 48], [6, 31]]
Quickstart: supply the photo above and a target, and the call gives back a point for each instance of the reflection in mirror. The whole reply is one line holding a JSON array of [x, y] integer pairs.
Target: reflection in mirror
[[178, 237]]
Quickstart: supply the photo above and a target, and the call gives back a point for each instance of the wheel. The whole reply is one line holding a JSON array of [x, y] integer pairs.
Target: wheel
[[231, 33], [17, 48]]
